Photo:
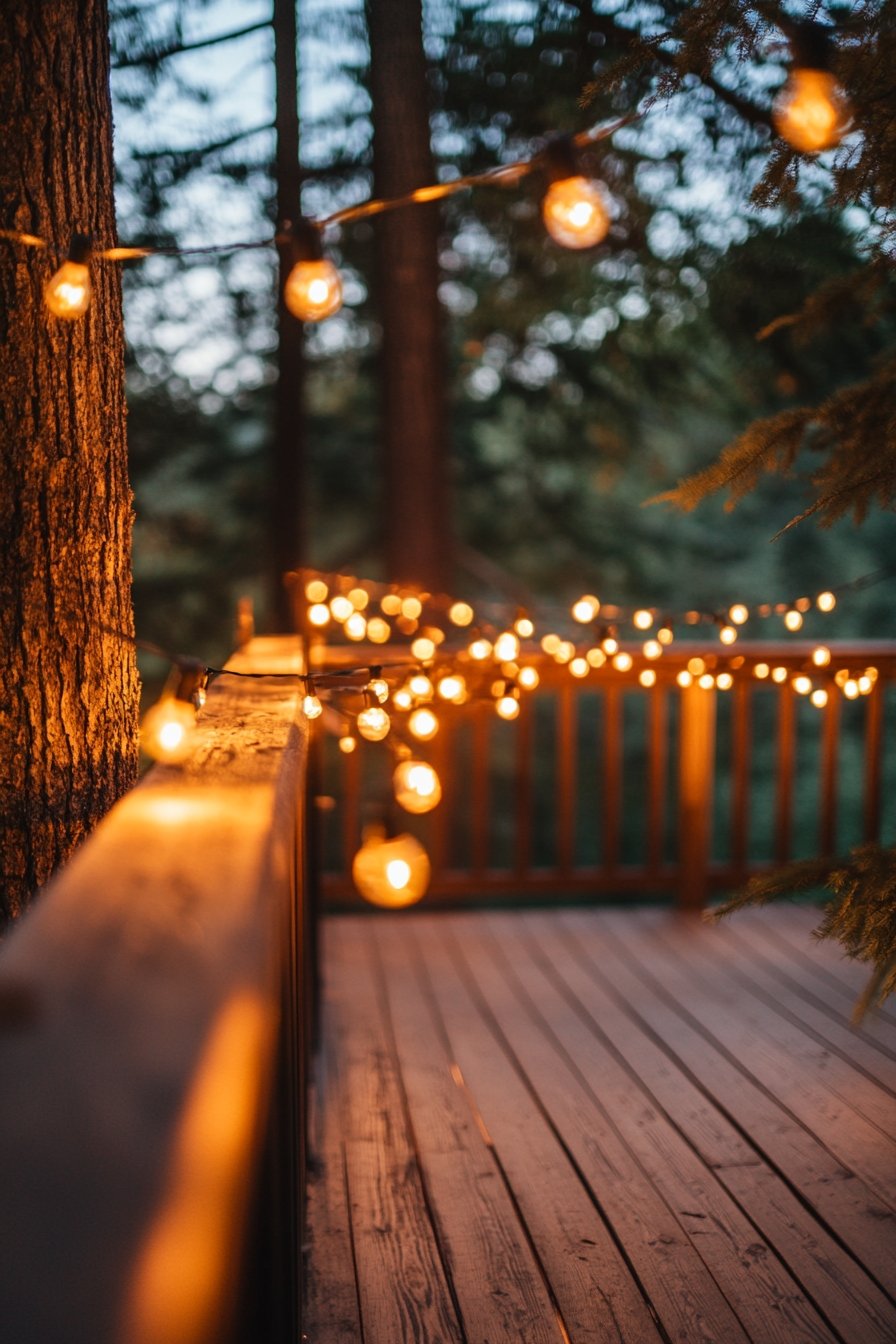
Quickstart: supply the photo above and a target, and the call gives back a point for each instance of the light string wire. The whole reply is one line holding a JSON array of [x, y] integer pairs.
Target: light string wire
[[502, 175]]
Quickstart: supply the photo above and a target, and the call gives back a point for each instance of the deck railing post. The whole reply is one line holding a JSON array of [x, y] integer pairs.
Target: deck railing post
[[696, 771]]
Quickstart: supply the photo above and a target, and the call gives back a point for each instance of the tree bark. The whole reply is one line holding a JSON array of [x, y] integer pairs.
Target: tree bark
[[416, 513], [68, 727], [288, 456]]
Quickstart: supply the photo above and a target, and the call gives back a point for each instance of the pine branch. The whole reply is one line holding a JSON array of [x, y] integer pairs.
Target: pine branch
[[861, 916], [155, 55]]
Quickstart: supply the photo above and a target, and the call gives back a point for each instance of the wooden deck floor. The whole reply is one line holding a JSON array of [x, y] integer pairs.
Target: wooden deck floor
[[599, 1126]]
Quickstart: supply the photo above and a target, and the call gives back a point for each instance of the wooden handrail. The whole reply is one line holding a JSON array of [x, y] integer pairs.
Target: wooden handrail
[[579, 769], [140, 1011]]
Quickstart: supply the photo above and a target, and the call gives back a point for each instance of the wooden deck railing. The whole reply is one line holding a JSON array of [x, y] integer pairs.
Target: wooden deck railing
[[602, 785], [154, 1020]]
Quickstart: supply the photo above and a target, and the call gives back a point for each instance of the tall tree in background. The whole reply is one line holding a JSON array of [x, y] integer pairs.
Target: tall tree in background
[[68, 728], [415, 505]]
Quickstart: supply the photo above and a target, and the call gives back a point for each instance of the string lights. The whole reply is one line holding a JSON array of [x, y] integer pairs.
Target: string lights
[[812, 112]]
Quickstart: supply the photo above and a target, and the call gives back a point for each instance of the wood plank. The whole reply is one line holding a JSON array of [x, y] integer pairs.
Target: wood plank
[[846, 1205], [841, 1290], [598, 1297], [402, 1288], [859, 1144], [743, 956], [683, 1292], [495, 1277], [767, 1300]]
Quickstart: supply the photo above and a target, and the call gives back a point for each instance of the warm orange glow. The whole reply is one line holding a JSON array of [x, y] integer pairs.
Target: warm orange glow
[[479, 650], [68, 292], [850, 688], [313, 290], [779, 674], [411, 608], [183, 1275], [696, 666], [524, 627], [724, 681], [316, 590], [575, 213], [596, 657], [550, 643], [319, 614], [391, 604], [379, 687], [727, 634], [802, 685], [793, 620], [826, 601], [166, 733], [312, 707], [507, 647], [565, 651], [819, 697], [643, 619], [821, 656], [684, 678], [359, 598], [812, 112], [761, 671], [652, 649], [647, 677], [508, 707], [738, 614], [347, 744], [423, 724], [622, 662], [391, 873], [453, 688], [373, 723], [417, 786], [423, 648], [585, 609], [528, 678], [402, 699], [580, 667], [341, 607], [420, 686], [356, 626], [460, 613], [378, 630], [610, 645], [665, 635]]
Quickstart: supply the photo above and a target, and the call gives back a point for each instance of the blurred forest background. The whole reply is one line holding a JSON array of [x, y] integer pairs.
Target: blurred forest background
[[579, 384]]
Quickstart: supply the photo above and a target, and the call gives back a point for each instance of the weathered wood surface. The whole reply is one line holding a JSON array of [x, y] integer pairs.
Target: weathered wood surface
[[599, 1119], [138, 1007]]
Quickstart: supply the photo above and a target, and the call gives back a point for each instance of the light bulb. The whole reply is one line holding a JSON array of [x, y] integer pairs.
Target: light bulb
[[826, 601], [460, 613], [550, 643], [453, 688], [374, 723], [402, 699], [643, 619], [316, 590], [356, 626], [779, 675], [761, 671], [479, 650], [724, 681], [811, 112], [793, 619], [411, 608], [423, 724], [647, 677], [580, 667], [379, 687], [417, 786], [341, 607], [524, 627], [507, 647], [311, 706], [423, 648], [167, 730], [610, 645], [706, 682], [391, 604], [664, 634], [318, 614], [802, 685], [313, 290], [359, 598], [819, 697], [585, 609], [652, 649], [528, 678], [622, 662], [420, 686], [392, 872], [347, 744], [508, 707], [696, 666], [68, 292], [575, 213], [727, 634], [684, 678], [738, 614], [378, 630], [821, 656], [850, 688], [596, 657]]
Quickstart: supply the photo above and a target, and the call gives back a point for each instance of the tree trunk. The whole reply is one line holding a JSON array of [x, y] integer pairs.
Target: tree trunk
[[415, 510], [288, 457], [68, 731]]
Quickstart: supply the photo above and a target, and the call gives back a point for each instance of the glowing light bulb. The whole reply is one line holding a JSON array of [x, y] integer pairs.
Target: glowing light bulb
[[417, 786], [779, 674], [423, 724], [819, 697], [811, 112], [585, 609], [507, 706], [167, 730], [341, 608], [706, 682], [738, 614], [724, 681], [575, 212], [378, 630], [452, 688], [528, 678], [727, 634], [866, 685], [610, 645], [391, 604], [821, 656], [596, 657], [390, 873], [850, 688], [355, 626], [379, 687], [684, 678], [652, 649], [460, 613], [374, 723], [826, 601], [359, 598], [420, 686], [316, 590], [643, 619], [622, 662], [761, 671], [311, 706], [411, 608], [319, 614], [313, 290], [524, 627], [550, 643], [423, 648], [507, 647], [580, 667], [696, 666], [647, 677], [793, 619], [479, 650], [665, 634], [402, 699], [802, 685], [67, 293], [347, 744], [565, 651]]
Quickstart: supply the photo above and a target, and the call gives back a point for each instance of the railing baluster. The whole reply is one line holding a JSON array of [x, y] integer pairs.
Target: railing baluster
[[656, 778], [874, 722], [612, 777], [695, 790], [523, 837], [830, 743], [741, 714], [566, 773], [784, 774], [440, 818], [351, 814], [480, 797]]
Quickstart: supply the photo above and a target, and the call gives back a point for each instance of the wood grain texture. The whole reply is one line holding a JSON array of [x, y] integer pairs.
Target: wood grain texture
[[110, 989]]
